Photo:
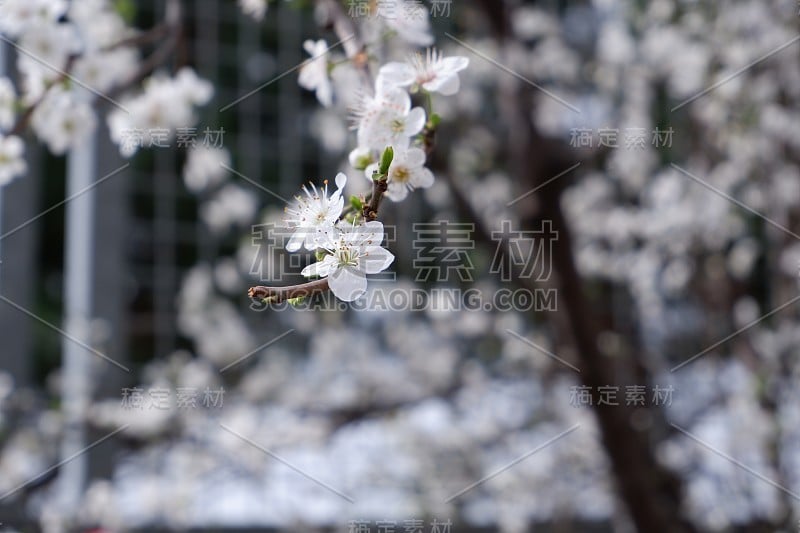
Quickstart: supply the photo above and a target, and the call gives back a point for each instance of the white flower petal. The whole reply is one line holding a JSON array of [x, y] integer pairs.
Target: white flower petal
[[393, 98], [446, 85], [347, 283], [372, 226], [422, 179], [324, 94], [296, 240], [326, 236], [397, 74], [396, 192], [341, 180], [335, 207], [414, 157], [322, 268], [359, 156], [454, 63], [415, 121], [376, 259], [312, 270]]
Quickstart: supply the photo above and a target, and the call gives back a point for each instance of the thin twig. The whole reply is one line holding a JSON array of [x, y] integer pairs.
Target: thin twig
[[370, 211], [149, 65], [139, 39], [281, 294]]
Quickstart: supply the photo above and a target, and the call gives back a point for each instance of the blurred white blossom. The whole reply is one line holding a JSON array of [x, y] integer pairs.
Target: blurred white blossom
[[433, 72], [314, 72], [204, 167], [165, 105], [12, 161], [254, 8]]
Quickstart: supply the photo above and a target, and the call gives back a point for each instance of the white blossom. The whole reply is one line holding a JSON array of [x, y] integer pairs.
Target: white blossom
[[17, 16], [48, 47], [313, 211], [314, 72], [99, 24], [102, 70], [12, 162], [254, 8], [406, 173], [353, 252], [387, 119], [62, 120], [47, 50], [8, 99], [193, 89], [231, 206], [204, 167], [433, 72], [165, 105], [361, 158]]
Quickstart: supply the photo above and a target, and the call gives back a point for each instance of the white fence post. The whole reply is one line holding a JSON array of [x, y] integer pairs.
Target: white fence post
[[76, 364]]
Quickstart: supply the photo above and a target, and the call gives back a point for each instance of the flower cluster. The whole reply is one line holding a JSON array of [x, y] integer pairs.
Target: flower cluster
[[383, 113], [348, 251], [390, 150], [165, 105], [387, 118], [73, 54], [54, 37]]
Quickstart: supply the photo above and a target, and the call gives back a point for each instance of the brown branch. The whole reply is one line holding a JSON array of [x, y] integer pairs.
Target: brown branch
[[24, 119], [171, 27], [370, 211], [651, 492], [281, 294], [153, 61], [429, 138], [139, 39]]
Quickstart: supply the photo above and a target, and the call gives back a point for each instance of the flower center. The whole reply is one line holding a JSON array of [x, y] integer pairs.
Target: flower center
[[401, 174], [398, 125], [347, 256], [425, 76]]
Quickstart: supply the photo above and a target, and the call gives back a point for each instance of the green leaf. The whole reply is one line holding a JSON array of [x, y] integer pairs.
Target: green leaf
[[356, 202], [386, 161], [294, 302]]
